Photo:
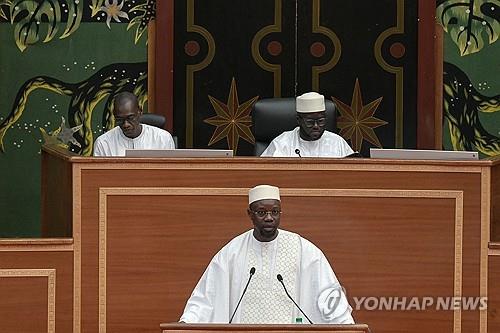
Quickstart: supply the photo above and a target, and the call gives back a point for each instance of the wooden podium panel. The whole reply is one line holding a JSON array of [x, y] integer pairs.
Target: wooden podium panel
[[494, 289], [145, 229], [36, 285], [214, 328]]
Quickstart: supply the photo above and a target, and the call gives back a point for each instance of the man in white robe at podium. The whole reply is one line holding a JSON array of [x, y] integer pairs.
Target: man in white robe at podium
[[268, 252], [309, 139]]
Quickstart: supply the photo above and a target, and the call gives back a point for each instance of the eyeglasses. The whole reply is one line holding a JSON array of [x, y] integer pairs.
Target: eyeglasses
[[263, 213], [310, 122], [119, 121]]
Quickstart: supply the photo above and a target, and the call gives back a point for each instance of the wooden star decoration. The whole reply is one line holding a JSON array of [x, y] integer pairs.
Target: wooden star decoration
[[232, 120], [356, 122]]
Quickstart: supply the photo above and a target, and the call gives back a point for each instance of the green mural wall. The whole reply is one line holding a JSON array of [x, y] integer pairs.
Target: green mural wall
[[52, 87], [471, 100]]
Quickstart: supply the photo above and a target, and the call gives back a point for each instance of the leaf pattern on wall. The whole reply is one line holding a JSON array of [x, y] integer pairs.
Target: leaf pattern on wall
[[42, 19], [147, 13], [29, 16], [4, 9], [470, 23], [96, 6]]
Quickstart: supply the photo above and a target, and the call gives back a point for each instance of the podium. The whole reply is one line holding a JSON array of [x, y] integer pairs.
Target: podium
[[235, 328], [141, 231]]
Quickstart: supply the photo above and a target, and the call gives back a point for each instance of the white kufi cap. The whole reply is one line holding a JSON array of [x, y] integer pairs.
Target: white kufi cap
[[262, 192], [310, 102]]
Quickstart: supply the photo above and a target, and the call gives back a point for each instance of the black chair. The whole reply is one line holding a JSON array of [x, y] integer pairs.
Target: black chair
[[273, 116], [153, 119], [156, 120]]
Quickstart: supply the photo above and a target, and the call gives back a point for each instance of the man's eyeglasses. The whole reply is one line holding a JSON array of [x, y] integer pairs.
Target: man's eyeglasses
[[263, 213], [310, 122], [119, 121]]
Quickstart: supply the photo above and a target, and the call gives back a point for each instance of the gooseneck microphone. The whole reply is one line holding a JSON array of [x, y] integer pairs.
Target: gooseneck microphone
[[280, 279], [297, 151], [252, 272]]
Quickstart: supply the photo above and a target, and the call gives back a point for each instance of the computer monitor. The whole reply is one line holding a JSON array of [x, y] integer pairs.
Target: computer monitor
[[416, 154], [178, 153]]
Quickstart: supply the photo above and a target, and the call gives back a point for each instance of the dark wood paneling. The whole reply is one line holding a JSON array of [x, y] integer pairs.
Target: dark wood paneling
[[56, 203], [164, 60], [429, 68]]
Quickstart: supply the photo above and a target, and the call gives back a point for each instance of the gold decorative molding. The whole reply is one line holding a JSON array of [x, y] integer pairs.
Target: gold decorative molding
[[374, 193], [77, 246], [285, 165], [398, 71], [36, 244], [485, 238], [191, 69], [50, 274], [317, 28], [273, 68]]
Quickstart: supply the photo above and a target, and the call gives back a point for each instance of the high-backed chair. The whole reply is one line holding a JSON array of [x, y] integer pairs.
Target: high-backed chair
[[153, 119], [273, 116], [156, 120]]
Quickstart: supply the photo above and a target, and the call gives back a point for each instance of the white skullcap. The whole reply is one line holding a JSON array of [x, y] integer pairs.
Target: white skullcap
[[261, 192], [310, 102]]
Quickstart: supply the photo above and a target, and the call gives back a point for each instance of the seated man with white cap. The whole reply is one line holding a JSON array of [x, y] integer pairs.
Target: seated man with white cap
[[245, 281], [309, 139]]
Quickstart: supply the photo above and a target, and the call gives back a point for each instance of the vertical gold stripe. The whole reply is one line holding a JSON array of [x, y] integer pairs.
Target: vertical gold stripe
[[102, 260], [152, 66], [457, 313], [51, 301], [191, 69], [485, 238], [317, 28], [273, 68], [398, 71], [77, 246]]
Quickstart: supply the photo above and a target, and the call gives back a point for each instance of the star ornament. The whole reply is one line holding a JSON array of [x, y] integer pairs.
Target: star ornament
[[232, 120], [51, 138], [356, 122], [66, 133], [61, 136]]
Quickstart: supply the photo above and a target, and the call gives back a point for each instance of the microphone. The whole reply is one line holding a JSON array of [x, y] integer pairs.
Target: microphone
[[297, 151], [252, 272], [280, 279]]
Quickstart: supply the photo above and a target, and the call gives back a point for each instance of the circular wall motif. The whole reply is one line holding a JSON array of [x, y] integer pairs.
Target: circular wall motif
[[397, 50], [274, 48], [192, 48], [317, 49]]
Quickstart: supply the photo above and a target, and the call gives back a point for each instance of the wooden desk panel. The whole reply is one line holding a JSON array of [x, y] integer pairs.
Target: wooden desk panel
[[428, 238], [36, 286], [213, 328], [183, 244], [494, 291]]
